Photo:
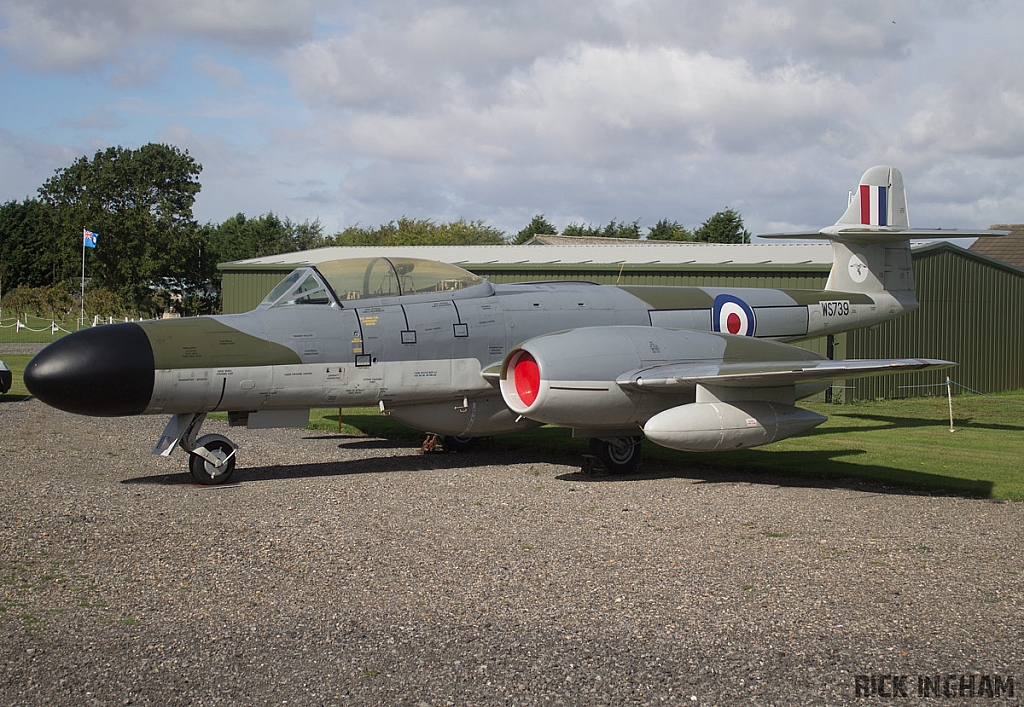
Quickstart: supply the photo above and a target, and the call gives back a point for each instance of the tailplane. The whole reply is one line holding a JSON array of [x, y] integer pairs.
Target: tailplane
[[871, 242]]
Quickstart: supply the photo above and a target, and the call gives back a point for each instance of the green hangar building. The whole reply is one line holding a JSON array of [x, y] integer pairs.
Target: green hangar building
[[972, 306]]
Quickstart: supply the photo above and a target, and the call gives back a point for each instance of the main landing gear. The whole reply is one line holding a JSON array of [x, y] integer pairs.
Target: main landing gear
[[211, 457], [618, 455], [449, 443]]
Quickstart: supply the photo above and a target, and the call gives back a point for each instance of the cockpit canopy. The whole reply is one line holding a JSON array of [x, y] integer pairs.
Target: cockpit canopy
[[341, 282]]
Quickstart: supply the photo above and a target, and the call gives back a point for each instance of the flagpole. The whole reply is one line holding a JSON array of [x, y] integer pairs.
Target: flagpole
[[81, 322]]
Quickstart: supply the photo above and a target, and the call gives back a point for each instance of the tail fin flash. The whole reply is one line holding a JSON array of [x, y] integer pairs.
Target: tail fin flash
[[880, 202]]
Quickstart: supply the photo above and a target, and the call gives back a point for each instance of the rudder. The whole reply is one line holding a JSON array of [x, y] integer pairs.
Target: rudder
[[879, 204]]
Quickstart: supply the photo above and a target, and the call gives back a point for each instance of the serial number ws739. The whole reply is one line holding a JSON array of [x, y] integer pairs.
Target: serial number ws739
[[836, 308]]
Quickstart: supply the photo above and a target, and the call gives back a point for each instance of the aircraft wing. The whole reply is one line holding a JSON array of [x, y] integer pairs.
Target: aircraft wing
[[881, 233], [766, 374]]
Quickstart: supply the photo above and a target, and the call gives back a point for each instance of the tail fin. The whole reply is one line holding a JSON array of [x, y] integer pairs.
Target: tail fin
[[870, 247]]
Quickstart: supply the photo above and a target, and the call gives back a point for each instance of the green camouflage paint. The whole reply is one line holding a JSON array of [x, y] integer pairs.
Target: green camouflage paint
[[203, 342]]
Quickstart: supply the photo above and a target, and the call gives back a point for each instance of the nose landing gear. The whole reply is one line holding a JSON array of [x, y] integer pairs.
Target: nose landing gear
[[217, 464], [211, 457]]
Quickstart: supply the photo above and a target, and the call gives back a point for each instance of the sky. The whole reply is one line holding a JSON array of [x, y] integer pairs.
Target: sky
[[363, 112]]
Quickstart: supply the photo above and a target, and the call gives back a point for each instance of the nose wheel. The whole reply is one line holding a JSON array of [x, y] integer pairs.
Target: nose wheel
[[215, 463], [211, 458]]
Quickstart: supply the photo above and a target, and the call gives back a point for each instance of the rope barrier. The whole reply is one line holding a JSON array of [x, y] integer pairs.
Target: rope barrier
[[987, 395], [948, 385], [51, 325]]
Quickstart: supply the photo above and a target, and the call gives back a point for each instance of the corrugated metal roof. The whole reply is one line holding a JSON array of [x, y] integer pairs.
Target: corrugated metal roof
[[972, 253], [1009, 249], [629, 252]]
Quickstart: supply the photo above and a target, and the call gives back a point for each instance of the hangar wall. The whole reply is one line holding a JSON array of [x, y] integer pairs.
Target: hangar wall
[[972, 312], [242, 288]]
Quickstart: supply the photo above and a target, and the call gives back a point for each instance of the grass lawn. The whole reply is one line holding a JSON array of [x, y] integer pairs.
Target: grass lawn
[[17, 365], [895, 442]]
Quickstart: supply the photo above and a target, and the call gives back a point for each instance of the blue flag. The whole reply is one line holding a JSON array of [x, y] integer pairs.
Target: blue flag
[[89, 238]]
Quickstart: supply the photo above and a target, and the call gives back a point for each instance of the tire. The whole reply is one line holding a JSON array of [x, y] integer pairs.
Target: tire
[[618, 455], [206, 473], [452, 443]]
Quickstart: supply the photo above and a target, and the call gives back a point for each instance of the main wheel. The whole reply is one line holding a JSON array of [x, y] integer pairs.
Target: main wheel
[[619, 455], [451, 443], [205, 472]]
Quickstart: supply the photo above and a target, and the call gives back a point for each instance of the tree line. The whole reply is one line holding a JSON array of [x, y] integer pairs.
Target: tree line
[[152, 255]]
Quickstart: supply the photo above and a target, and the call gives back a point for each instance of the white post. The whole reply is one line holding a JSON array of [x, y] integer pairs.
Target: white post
[[81, 321], [949, 394]]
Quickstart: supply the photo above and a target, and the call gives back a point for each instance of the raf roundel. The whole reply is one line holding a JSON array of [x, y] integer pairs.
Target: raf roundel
[[731, 315]]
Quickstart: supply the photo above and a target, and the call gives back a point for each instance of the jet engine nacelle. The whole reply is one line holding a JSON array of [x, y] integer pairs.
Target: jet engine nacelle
[[715, 426], [569, 378]]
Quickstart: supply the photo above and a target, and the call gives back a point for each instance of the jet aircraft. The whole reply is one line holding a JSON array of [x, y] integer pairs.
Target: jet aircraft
[[445, 351]]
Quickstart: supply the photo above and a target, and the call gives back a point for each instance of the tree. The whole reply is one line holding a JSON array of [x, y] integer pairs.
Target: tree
[[622, 230], [724, 227], [27, 244], [306, 235], [578, 230], [614, 229], [666, 230], [406, 231], [103, 303], [24, 300], [538, 226], [240, 237], [140, 202]]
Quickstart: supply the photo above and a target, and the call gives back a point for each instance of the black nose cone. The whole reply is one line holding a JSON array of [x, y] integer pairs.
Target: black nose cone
[[103, 371]]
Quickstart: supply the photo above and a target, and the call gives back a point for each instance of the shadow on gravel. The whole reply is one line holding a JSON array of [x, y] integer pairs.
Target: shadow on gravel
[[829, 471], [403, 462], [361, 442]]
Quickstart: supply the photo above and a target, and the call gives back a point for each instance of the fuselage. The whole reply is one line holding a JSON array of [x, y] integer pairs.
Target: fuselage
[[419, 352]]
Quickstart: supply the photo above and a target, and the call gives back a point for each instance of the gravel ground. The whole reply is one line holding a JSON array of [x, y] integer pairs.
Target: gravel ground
[[352, 571], [21, 348]]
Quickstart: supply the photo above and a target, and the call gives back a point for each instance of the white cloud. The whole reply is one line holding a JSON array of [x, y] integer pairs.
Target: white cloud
[[59, 35], [981, 113], [49, 41], [230, 77], [613, 108], [28, 163], [583, 111]]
